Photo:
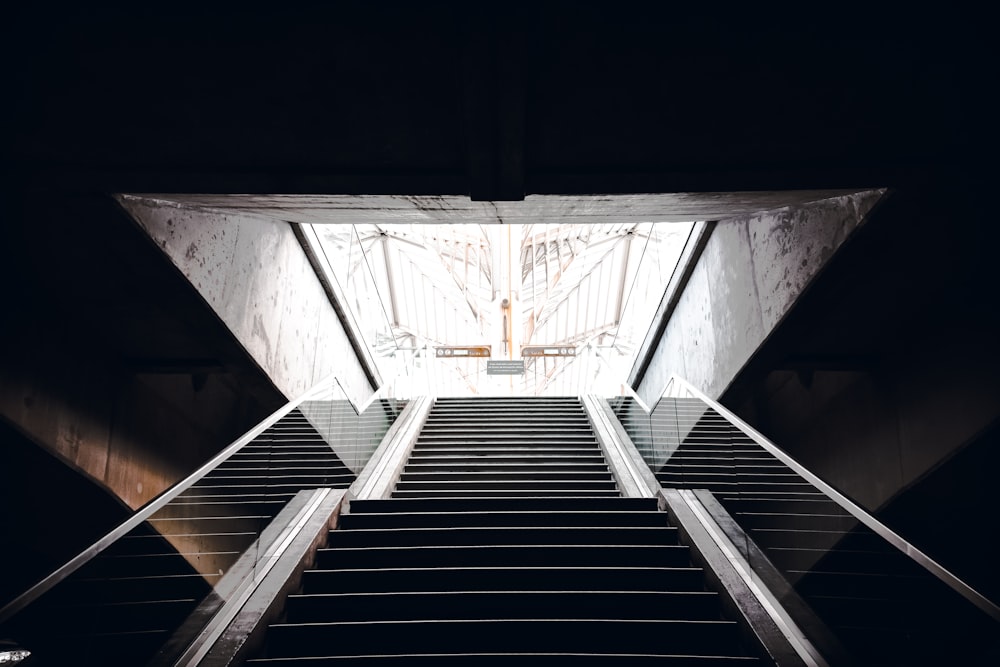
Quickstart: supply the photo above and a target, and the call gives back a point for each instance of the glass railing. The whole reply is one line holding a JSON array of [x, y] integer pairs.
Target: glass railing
[[845, 578], [127, 596]]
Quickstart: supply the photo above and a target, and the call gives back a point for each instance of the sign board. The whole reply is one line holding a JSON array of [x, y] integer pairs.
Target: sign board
[[462, 351], [505, 367], [548, 351]]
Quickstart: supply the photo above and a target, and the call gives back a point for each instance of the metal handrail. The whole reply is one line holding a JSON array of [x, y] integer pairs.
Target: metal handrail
[[859, 513], [160, 501]]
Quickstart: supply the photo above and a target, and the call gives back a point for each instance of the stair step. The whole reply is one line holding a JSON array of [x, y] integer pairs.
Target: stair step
[[555, 474], [486, 504], [148, 545], [503, 635], [505, 659], [490, 467], [504, 578], [550, 518], [850, 560], [139, 588], [542, 484], [856, 584], [467, 605], [503, 450], [508, 493], [135, 616], [537, 555], [486, 535], [147, 565], [425, 457], [816, 539], [759, 520]]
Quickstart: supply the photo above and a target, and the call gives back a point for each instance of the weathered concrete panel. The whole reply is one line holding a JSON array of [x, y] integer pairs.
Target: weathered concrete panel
[[535, 209], [739, 325], [256, 277], [791, 245], [872, 433], [749, 276], [670, 361], [851, 444], [947, 392], [698, 343]]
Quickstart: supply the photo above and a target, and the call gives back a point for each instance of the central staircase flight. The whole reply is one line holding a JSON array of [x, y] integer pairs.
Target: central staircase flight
[[505, 539]]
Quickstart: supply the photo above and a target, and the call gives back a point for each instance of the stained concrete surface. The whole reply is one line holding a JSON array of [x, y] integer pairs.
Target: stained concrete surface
[[108, 358], [553, 209], [888, 365], [748, 277], [254, 274]]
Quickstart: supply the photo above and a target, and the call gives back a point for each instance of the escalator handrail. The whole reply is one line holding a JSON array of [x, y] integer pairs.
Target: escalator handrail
[[859, 513], [160, 501]]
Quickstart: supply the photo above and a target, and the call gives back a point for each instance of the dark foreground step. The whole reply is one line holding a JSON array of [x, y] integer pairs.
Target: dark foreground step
[[508, 659], [552, 519], [532, 492], [406, 484], [512, 636], [409, 579], [487, 504], [509, 555], [414, 606], [486, 535]]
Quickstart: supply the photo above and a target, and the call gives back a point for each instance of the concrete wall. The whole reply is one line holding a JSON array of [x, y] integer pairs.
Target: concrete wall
[[752, 271], [889, 366], [873, 432], [87, 297], [133, 434], [254, 274]]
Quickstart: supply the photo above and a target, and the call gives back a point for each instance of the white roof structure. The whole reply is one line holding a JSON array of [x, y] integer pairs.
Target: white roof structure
[[589, 287]]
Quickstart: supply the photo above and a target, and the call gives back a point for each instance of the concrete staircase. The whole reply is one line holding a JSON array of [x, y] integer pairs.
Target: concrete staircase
[[505, 540]]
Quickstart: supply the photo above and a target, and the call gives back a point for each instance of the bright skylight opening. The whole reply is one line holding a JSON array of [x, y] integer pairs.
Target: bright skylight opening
[[587, 288]]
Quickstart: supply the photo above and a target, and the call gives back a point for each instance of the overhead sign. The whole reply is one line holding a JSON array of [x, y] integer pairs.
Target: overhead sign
[[548, 351], [463, 351], [505, 367]]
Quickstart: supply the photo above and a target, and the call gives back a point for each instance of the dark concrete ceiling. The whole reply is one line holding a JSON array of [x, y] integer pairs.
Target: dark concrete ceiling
[[496, 101], [501, 101]]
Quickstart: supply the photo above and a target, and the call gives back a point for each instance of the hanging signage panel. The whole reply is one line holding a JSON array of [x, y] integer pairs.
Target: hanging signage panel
[[505, 367], [463, 351], [548, 351]]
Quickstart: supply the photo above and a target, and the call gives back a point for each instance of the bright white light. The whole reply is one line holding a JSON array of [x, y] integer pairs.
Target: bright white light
[[572, 289], [13, 657]]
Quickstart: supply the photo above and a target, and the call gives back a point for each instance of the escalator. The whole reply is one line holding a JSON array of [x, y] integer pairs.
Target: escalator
[[505, 539]]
